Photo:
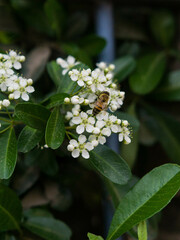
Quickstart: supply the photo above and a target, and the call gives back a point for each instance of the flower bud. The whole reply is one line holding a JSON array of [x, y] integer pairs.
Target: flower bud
[[70, 147], [67, 100], [5, 102]]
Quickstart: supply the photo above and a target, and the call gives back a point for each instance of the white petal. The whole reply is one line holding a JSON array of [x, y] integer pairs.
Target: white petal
[[80, 129], [82, 139], [120, 137], [89, 146], [29, 89], [89, 128], [114, 128], [17, 65], [100, 124], [102, 140], [85, 154], [16, 94], [64, 71], [76, 120], [70, 147], [127, 139], [80, 83], [73, 142], [84, 115], [91, 120], [25, 96], [70, 60], [75, 153], [106, 132], [92, 138]]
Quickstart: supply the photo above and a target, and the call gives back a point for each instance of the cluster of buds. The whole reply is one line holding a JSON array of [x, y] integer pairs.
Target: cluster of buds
[[11, 84], [93, 129]]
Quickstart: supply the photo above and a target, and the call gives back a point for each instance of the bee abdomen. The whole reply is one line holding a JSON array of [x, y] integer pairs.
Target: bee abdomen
[[96, 110]]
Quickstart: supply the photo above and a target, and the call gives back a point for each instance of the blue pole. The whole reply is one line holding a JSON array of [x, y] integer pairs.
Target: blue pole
[[105, 29]]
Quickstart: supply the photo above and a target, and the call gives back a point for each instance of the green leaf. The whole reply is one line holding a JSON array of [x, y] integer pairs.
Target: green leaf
[[8, 156], [68, 85], [94, 237], [123, 67], [55, 100], [110, 164], [55, 15], [28, 139], [142, 231], [37, 212], [55, 73], [48, 228], [149, 71], [151, 194], [34, 115], [10, 209], [169, 90], [162, 24], [55, 130], [92, 44], [166, 129]]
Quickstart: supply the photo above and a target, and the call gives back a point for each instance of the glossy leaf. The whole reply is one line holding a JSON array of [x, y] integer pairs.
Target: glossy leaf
[[55, 100], [34, 115], [94, 237], [110, 164], [55, 73], [28, 139], [8, 155], [123, 67], [48, 228], [68, 85], [10, 209], [55, 130], [152, 193], [149, 71], [166, 129], [92, 44], [169, 90], [142, 231], [162, 25]]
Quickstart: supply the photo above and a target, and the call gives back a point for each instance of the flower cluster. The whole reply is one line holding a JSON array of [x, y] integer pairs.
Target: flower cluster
[[11, 84], [93, 129]]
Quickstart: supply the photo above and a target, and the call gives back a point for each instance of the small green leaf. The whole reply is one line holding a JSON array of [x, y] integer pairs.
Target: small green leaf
[[10, 209], [48, 228], [68, 84], [142, 231], [34, 115], [55, 100], [92, 44], [169, 90], [55, 73], [28, 139], [94, 237], [123, 67], [110, 164], [162, 24], [151, 194], [149, 71], [8, 156], [55, 130]]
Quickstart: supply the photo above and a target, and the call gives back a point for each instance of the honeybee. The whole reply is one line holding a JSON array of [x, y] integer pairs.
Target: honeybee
[[101, 103]]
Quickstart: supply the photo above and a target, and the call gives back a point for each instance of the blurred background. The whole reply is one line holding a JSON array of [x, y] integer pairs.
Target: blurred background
[[146, 45]]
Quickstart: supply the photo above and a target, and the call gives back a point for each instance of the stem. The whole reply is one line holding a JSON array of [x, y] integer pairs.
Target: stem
[[8, 114], [5, 120], [67, 134], [5, 129], [70, 127]]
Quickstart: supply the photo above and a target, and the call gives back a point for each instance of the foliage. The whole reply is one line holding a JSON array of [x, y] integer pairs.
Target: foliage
[[39, 178]]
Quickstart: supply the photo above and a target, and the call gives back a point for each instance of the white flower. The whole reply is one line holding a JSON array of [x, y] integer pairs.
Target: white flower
[[93, 140], [84, 122], [75, 99], [5, 102], [15, 59], [80, 147], [23, 92], [69, 63], [124, 135]]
